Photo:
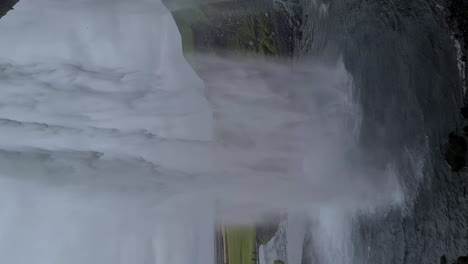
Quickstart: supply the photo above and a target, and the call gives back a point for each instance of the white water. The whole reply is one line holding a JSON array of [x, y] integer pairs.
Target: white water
[[112, 149]]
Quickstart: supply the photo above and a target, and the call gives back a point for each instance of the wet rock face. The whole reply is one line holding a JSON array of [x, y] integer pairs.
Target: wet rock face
[[6, 5], [265, 232], [410, 38], [266, 229], [459, 17], [462, 260], [443, 260], [464, 112], [456, 152]]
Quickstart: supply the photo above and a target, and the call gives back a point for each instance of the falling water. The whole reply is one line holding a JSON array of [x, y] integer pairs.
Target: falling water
[[113, 150]]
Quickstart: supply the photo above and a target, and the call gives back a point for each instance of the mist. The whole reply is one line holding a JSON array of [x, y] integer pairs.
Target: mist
[[114, 150]]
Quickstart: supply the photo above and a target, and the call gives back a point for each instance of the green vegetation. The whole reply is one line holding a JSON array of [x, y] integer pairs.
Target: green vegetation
[[187, 37], [256, 35], [190, 16], [240, 245], [185, 19], [226, 27], [278, 262]]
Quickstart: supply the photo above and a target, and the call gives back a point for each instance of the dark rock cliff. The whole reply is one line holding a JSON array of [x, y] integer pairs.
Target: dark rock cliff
[[6, 5]]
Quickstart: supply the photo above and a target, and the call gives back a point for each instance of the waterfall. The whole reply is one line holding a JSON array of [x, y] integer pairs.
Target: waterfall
[[113, 150]]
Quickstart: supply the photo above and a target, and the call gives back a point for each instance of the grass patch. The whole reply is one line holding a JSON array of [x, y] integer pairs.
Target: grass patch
[[240, 244]]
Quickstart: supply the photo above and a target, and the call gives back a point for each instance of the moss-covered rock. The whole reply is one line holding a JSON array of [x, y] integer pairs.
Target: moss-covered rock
[[279, 262], [455, 152], [247, 27]]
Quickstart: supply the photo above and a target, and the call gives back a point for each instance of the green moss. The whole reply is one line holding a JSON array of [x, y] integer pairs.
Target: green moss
[[240, 245], [185, 19], [256, 36], [226, 27], [191, 16], [187, 37], [278, 262]]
